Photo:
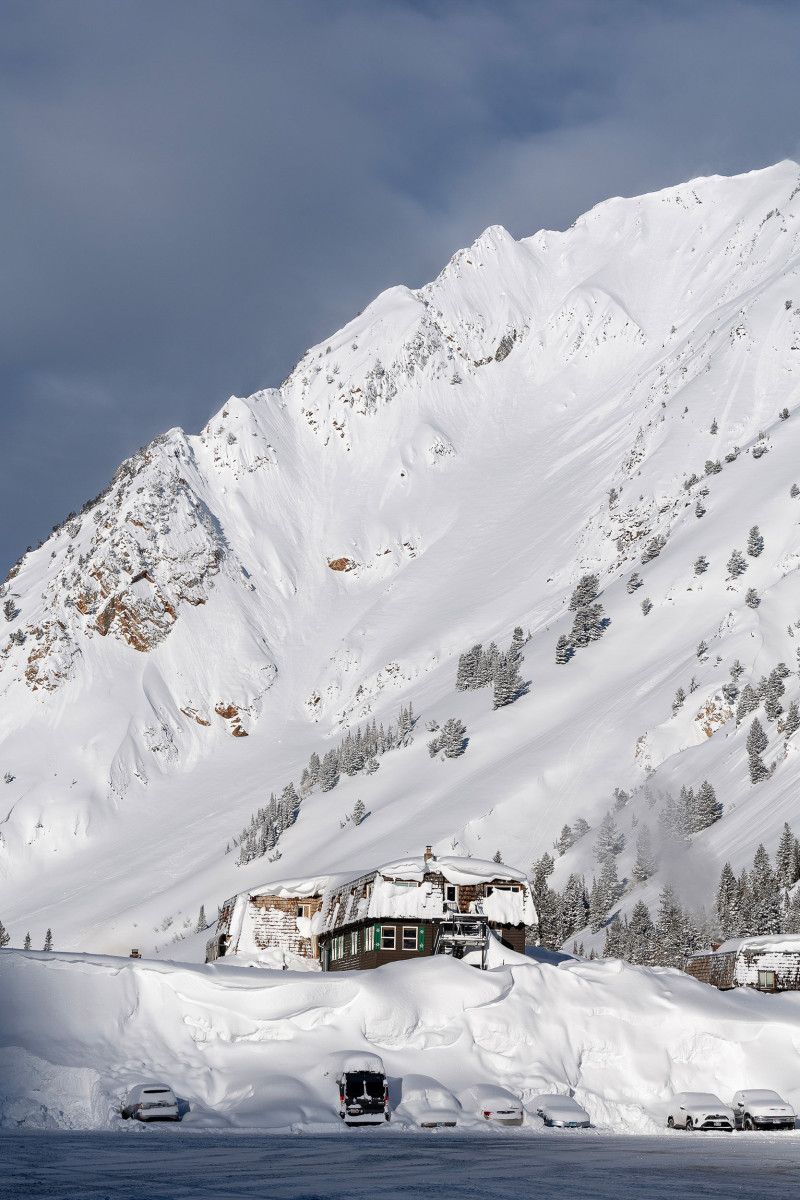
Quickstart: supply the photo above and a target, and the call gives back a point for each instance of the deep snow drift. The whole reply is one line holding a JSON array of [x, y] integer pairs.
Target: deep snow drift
[[249, 1048], [439, 471]]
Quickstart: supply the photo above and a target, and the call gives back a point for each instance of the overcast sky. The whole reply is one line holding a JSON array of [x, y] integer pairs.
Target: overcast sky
[[193, 192]]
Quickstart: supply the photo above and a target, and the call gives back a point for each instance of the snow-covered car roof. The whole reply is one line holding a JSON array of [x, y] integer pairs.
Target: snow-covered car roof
[[698, 1098], [489, 1095], [353, 1060], [761, 1094], [559, 1103]]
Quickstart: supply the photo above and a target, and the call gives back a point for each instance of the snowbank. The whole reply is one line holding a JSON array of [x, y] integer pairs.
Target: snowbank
[[249, 1049]]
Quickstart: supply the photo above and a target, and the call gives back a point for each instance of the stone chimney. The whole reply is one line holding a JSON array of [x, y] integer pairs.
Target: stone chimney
[[428, 854]]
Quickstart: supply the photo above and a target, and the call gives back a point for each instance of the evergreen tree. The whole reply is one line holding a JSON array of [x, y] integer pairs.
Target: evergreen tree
[[329, 771], [609, 884], [202, 923], [616, 943], [9, 609], [646, 863], [359, 812], [751, 598], [508, 683], [580, 828], [565, 840], [714, 426], [452, 740], [790, 921], [775, 689], [744, 906], [563, 650], [748, 702], [706, 808], [314, 768], [585, 593], [684, 813], [546, 902], [787, 858], [575, 906], [669, 925], [641, 935], [5, 937], [680, 696], [727, 903], [609, 840], [755, 542], [766, 897], [597, 907], [700, 565], [737, 564], [517, 642], [792, 719], [757, 769], [647, 606], [633, 583], [26, 945], [48, 941], [756, 738], [736, 670]]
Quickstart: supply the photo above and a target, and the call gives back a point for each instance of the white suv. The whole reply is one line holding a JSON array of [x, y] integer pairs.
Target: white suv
[[700, 1110], [759, 1108]]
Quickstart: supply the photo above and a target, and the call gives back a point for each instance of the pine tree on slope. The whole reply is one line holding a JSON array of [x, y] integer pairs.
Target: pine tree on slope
[[202, 923], [766, 910], [5, 937], [787, 858], [641, 935], [670, 925], [48, 941], [646, 863]]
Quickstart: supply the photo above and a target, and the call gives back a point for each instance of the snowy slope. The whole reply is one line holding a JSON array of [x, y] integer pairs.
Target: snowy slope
[[250, 1048], [434, 474]]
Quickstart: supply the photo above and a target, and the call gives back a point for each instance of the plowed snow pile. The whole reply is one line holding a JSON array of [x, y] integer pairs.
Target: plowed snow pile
[[247, 1048]]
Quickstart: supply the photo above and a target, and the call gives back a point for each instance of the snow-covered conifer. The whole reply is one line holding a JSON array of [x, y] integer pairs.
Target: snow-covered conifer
[[700, 509], [680, 696], [5, 937], [790, 919], [48, 940], [634, 582], [647, 606], [736, 670], [751, 598], [772, 699], [359, 812], [588, 626], [727, 903], [737, 564], [580, 827], [787, 858], [714, 426], [452, 739], [508, 683], [564, 841], [784, 414], [329, 771], [585, 592], [792, 719], [755, 542], [766, 898], [497, 857], [748, 702], [563, 650], [700, 565], [646, 863], [641, 935], [670, 927], [26, 945], [546, 902], [757, 768], [609, 840], [574, 906], [621, 798], [616, 943], [314, 766], [713, 466], [202, 923], [794, 491], [706, 808], [756, 738], [9, 609], [608, 883]]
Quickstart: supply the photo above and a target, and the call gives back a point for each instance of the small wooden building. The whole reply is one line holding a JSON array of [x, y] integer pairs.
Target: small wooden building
[[274, 925], [768, 964], [417, 907]]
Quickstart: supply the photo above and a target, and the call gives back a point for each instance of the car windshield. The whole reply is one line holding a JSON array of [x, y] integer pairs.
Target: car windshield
[[763, 1095], [701, 1098]]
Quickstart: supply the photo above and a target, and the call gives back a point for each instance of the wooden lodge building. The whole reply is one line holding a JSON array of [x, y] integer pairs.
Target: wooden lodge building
[[768, 964], [417, 907], [411, 908]]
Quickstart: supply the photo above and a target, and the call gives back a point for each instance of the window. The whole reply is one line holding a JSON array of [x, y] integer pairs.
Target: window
[[387, 937], [369, 937], [405, 883], [450, 893], [409, 937], [304, 910], [337, 948], [354, 942], [766, 980]]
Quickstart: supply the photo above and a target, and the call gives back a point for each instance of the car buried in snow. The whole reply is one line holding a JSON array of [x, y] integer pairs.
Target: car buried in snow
[[151, 1102], [493, 1104], [699, 1110], [760, 1108], [362, 1086], [562, 1112]]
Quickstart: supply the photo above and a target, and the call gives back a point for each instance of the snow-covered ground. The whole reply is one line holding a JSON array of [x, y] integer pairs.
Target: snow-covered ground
[[248, 1049], [167, 1166]]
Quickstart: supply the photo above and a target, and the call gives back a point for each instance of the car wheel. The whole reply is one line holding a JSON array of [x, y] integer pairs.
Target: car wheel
[[670, 1122], [689, 1124], [747, 1123]]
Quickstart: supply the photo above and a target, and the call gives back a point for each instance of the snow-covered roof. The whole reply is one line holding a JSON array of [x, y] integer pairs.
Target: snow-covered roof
[[286, 889], [462, 871], [786, 943]]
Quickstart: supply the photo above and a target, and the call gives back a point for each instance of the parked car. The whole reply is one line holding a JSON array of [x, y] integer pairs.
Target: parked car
[[151, 1102], [759, 1108], [562, 1111], [428, 1103], [700, 1110], [493, 1104], [362, 1087]]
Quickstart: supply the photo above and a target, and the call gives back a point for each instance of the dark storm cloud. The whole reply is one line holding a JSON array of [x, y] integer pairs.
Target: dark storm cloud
[[194, 192]]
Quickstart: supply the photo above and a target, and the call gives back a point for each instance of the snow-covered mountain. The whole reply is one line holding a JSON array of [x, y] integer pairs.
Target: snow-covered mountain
[[441, 470]]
